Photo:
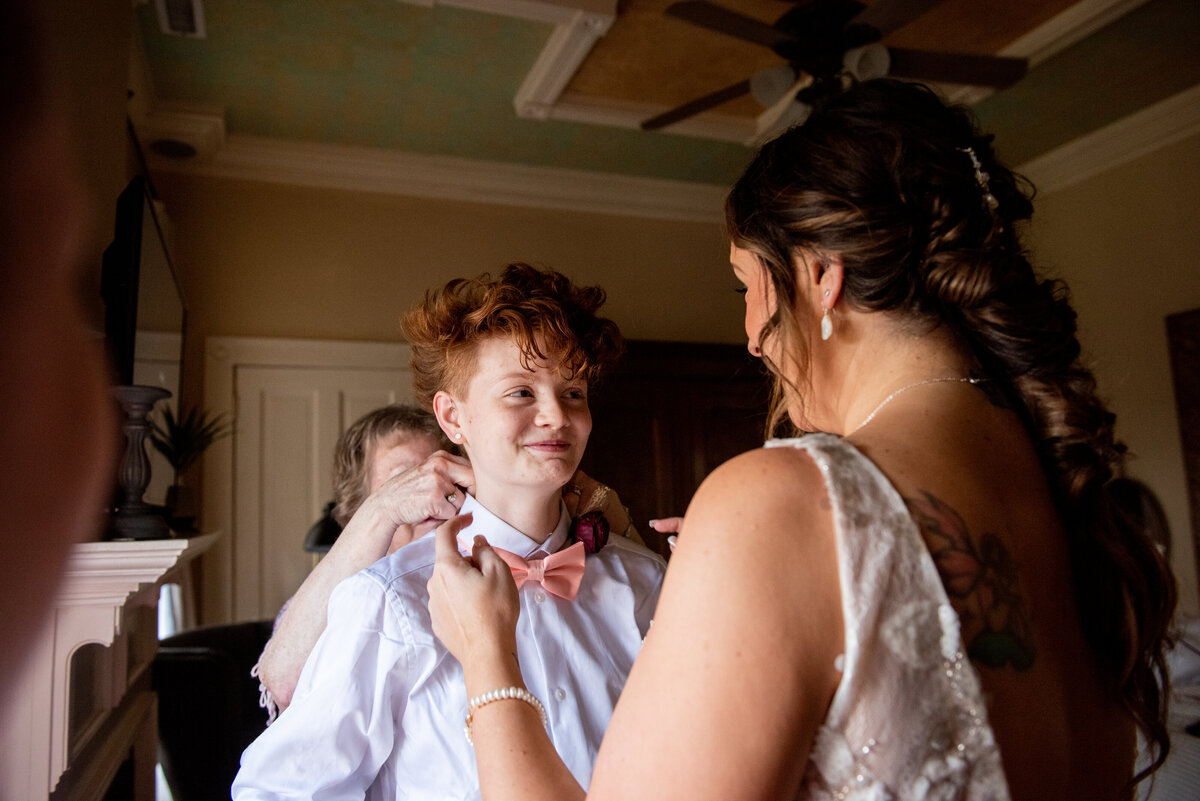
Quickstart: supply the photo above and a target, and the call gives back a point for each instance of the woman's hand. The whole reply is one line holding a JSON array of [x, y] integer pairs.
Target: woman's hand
[[668, 525], [387, 520], [433, 489], [473, 602]]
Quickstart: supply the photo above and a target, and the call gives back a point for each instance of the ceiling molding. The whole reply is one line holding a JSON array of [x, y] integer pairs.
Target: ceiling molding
[[619, 114], [1073, 25], [554, 12], [578, 24], [359, 169], [565, 50], [1051, 38], [1145, 131]]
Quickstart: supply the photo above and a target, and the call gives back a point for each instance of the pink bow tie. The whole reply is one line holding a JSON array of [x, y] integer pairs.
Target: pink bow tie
[[560, 573]]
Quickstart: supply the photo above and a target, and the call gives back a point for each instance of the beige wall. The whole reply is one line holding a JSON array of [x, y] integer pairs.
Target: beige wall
[[1128, 242], [263, 260], [277, 261]]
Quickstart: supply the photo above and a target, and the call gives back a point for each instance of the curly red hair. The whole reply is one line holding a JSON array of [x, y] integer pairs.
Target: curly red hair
[[542, 311]]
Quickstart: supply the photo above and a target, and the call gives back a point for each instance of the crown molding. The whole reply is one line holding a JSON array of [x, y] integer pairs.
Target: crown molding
[[571, 107], [1157, 126], [360, 169], [1050, 38], [554, 12], [1072, 25], [372, 170], [564, 51]]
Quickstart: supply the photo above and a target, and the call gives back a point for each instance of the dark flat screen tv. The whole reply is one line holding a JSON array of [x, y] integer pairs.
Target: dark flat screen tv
[[144, 312]]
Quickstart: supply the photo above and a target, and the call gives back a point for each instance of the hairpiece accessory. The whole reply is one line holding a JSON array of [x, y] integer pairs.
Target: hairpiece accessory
[[826, 326], [503, 694], [890, 398], [982, 179]]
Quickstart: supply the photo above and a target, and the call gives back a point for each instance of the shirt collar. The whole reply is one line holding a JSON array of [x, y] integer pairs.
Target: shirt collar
[[501, 535]]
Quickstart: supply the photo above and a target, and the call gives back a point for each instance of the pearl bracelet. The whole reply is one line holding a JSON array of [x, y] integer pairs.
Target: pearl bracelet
[[503, 694]]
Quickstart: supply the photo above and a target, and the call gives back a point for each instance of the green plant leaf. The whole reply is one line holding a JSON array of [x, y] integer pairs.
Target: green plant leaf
[[182, 439]]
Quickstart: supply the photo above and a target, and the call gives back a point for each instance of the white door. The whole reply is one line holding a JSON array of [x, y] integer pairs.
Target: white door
[[265, 485], [289, 419]]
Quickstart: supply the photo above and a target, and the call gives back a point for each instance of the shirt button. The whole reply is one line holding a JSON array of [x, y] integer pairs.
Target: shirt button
[[540, 597], [560, 694]]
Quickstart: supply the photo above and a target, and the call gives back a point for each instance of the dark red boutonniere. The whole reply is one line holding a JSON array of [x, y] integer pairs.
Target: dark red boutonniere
[[591, 529]]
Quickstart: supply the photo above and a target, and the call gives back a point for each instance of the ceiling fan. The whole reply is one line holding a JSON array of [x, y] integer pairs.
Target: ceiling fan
[[826, 42]]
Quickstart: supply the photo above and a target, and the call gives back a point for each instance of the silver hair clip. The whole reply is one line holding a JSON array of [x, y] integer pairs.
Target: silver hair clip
[[982, 179]]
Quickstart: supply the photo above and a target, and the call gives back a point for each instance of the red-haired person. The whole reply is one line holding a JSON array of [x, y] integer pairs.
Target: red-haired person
[[505, 364]]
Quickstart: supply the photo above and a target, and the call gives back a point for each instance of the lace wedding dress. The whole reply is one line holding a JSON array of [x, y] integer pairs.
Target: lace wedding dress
[[908, 721]]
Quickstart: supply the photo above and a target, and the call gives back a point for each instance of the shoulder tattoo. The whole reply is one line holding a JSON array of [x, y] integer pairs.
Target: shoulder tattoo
[[980, 578]]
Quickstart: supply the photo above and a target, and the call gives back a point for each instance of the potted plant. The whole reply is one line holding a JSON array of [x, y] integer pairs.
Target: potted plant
[[181, 440]]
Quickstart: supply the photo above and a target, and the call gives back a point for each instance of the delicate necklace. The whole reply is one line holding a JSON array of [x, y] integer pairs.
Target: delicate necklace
[[892, 397]]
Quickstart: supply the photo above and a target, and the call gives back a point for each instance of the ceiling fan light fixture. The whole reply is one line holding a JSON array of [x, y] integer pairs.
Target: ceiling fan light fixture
[[866, 63], [769, 85]]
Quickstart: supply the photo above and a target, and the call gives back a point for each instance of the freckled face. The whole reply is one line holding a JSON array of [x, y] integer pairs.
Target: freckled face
[[522, 427], [758, 291]]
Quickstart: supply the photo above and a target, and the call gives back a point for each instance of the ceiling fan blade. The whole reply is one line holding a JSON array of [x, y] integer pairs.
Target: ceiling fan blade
[[722, 20], [785, 111], [886, 16], [696, 106], [961, 68]]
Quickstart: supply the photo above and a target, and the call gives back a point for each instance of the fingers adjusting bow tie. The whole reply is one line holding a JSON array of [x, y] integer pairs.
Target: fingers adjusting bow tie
[[559, 573]]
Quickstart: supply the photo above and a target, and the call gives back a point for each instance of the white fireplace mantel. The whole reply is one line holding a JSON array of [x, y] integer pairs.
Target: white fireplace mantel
[[103, 586]]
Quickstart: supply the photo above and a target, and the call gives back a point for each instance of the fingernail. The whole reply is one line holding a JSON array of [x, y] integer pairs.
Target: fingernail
[[671, 541], [653, 523]]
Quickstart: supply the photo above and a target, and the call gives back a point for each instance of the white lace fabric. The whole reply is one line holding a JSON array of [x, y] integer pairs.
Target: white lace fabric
[[908, 721]]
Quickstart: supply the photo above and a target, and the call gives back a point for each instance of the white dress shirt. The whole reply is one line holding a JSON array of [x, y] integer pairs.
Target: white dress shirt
[[379, 708]]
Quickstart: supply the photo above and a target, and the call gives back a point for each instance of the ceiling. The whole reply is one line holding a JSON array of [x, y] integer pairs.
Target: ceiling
[[562, 84]]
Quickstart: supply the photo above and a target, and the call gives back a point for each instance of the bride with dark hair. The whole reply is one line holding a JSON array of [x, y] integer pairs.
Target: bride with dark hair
[[932, 597]]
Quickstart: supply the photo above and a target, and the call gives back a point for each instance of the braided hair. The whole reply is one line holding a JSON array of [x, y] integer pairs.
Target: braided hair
[[911, 197]]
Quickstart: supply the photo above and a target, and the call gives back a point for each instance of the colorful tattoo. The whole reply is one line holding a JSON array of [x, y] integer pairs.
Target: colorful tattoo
[[981, 580]]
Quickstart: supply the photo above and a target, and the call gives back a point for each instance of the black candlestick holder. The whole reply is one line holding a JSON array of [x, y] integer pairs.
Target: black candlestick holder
[[133, 518]]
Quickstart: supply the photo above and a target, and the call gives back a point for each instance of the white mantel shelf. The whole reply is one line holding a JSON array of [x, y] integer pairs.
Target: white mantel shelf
[[100, 572], [103, 587]]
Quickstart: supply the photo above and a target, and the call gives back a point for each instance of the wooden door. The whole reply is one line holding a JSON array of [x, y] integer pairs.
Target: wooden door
[[668, 416]]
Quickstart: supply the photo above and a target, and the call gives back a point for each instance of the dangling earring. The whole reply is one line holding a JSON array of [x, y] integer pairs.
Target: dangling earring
[[826, 323]]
